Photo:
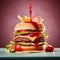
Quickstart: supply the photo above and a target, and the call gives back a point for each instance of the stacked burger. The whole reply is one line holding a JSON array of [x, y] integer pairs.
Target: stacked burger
[[29, 36]]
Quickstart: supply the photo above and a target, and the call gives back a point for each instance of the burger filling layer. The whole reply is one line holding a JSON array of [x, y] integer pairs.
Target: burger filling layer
[[29, 37]]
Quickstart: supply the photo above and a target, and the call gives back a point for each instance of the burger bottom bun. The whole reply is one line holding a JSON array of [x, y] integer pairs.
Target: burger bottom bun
[[31, 49]]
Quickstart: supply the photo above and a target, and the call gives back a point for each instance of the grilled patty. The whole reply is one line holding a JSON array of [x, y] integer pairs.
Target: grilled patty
[[24, 39]]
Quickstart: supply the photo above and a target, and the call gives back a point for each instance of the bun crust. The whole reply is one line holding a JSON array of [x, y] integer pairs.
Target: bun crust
[[32, 48], [21, 26]]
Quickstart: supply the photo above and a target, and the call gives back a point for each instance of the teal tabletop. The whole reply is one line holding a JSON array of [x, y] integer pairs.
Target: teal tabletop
[[55, 54]]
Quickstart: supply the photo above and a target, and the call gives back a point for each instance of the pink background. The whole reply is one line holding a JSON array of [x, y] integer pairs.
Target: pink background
[[48, 9]]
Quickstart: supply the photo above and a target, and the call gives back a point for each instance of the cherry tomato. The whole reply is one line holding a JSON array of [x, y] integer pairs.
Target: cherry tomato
[[49, 48], [18, 47]]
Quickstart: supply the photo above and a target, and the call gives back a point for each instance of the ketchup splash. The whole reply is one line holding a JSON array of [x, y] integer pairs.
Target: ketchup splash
[[34, 24], [30, 11], [36, 44]]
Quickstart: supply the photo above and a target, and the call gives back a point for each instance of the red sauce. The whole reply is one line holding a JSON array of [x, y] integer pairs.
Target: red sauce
[[36, 44], [37, 33], [30, 10], [34, 24]]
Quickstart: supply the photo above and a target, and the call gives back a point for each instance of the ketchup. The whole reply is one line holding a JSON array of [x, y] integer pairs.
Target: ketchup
[[34, 24], [30, 11], [36, 44]]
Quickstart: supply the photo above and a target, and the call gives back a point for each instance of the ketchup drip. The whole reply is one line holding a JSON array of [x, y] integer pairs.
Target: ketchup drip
[[34, 24], [36, 44], [30, 10]]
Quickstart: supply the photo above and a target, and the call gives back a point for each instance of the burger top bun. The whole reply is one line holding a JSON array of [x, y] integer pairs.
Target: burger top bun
[[21, 26]]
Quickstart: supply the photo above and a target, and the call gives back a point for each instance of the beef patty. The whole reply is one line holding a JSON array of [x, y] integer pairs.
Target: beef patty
[[27, 40], [22, 39]]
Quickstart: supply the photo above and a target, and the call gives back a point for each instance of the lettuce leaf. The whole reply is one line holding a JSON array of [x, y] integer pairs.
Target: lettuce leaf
[[17, 33], [44, 34]]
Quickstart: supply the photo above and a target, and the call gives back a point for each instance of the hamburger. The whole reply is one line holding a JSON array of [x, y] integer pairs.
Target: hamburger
[[26, 36], [29, 36]]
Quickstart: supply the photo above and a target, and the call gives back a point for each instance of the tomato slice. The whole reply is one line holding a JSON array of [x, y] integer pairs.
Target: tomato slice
[[18, 47], [22, 30]]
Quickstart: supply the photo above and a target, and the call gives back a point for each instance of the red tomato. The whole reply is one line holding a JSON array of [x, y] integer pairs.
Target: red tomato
[[49, 48], [33, 34], [22, 30], [18, 47]]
